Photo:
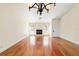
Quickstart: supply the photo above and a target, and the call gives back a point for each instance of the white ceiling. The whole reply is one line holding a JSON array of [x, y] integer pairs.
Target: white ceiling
[[57, 12], [60, 10]]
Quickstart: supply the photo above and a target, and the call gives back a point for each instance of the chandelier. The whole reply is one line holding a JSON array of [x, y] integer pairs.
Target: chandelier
[[41, 6]]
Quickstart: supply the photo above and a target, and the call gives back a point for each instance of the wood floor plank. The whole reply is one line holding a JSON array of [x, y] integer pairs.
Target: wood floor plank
[[57, 47]]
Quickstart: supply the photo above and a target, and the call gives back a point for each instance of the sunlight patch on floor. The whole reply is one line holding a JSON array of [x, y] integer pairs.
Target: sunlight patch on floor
[[45, 41], [32, 40]]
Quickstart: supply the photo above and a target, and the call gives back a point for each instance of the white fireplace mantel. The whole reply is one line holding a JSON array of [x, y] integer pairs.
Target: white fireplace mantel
[[43, 26]]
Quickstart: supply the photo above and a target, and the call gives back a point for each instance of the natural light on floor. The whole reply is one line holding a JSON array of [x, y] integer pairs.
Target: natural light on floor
[[45, 41], [33, 40]]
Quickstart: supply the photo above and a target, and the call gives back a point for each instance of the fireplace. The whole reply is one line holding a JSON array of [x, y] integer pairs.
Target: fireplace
[[39, 31]]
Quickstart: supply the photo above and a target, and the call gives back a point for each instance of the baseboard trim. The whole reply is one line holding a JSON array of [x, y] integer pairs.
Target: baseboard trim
[[3, 49]]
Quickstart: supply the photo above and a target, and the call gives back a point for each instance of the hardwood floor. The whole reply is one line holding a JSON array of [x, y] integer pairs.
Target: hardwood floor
[[56, 47]]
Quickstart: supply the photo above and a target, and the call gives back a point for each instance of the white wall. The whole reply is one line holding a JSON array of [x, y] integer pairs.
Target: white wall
[[70, 25], [56, 27], [13, 24]]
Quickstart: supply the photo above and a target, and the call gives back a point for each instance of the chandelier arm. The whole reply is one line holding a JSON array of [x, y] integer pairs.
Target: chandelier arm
[[37, 4], [51, 3], [34, 5], [46, 8], [47, 5]]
